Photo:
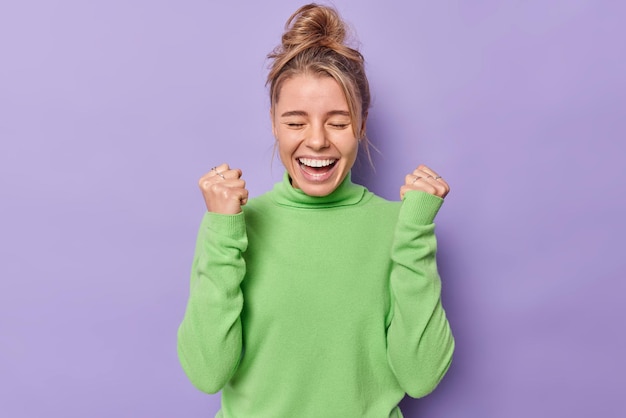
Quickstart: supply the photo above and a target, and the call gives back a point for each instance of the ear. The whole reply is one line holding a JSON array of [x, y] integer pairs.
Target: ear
[[363, 126], [273, 124]]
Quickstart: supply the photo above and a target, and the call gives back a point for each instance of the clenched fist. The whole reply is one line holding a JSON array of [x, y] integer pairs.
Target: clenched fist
[[224, 190], [426, 180]]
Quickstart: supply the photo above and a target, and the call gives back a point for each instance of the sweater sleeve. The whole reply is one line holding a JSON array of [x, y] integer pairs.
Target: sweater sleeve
[[210, 336], [419, 340]]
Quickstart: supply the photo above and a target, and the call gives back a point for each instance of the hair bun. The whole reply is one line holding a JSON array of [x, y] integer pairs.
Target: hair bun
[[314, 43], [314, 25]]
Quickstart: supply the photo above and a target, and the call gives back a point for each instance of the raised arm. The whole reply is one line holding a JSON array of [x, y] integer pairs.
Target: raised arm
[[210, 337], [419, 339]]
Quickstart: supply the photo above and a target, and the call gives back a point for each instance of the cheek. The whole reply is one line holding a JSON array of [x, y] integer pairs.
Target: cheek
[[285, 147], [350, 148]]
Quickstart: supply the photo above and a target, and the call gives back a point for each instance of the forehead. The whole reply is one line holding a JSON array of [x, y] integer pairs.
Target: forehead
[[310, 92]]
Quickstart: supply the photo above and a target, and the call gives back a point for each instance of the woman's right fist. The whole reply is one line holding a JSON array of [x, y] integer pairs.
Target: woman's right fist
[[224, 190]]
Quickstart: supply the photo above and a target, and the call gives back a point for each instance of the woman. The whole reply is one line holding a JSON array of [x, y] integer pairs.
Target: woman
[[318, 298]]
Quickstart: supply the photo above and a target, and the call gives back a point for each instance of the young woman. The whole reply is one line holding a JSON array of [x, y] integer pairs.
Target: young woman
[[318, 298]]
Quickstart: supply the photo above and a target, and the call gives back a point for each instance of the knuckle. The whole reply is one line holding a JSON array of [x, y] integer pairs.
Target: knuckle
[[430, 189]]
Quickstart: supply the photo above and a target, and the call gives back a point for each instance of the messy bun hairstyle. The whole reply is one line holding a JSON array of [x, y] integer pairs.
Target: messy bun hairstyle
[[314, 43]]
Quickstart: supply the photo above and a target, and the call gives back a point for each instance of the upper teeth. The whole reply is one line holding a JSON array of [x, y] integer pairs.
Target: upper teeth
[[316, 163]]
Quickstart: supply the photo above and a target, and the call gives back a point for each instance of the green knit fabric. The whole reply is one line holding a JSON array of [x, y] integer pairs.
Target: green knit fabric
[[315, 307]]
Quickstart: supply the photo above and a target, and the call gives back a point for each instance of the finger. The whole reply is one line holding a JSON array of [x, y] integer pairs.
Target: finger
[[223, 186], [244, 197], [434, 175], [444, 183], [205, 182], [235, 183], [413, 177], [403, 190], [218, 170], [417, 175], [214, 185], [233, 173], [425, 173], [425, 185], [429, 171], [419, 186], [228, 174], [225, 199], [235, 198], [422, 179], [233, 193], [221, 167], [216, 176], [437, 182], [208, 177]]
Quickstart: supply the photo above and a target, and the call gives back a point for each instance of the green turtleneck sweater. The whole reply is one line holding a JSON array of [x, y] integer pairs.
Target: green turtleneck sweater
[[317, 307]]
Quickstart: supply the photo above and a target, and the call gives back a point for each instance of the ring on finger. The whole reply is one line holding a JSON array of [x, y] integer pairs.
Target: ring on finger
[[218, 173], [437, 178]]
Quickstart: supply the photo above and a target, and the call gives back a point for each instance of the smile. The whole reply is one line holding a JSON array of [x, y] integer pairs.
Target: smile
[[310, 162], [317, 169]]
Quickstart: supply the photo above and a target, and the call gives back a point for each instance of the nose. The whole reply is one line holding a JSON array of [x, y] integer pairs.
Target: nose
[[316, 137]]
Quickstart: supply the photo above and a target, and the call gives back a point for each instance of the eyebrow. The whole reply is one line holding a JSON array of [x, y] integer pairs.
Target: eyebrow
[[303, 113]]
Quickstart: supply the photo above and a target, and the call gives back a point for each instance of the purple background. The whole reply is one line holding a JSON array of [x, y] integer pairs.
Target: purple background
[[111, 110]]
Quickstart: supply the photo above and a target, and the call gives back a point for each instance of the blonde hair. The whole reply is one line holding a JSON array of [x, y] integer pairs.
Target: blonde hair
[[314, 42]]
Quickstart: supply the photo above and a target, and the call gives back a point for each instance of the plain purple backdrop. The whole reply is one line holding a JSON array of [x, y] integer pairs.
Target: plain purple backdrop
[[111, 110]]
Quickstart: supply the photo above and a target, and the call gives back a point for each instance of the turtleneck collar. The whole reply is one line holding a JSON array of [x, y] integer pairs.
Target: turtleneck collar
[[346, 194]]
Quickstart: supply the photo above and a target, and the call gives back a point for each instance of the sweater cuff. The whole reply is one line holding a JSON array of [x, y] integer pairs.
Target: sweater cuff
[[228, 225], [420, 207]]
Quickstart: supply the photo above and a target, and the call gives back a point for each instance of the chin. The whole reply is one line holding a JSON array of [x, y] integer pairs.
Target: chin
[[318, 189]]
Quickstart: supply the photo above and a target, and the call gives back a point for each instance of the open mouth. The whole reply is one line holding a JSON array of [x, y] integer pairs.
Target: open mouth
[[317, 167]]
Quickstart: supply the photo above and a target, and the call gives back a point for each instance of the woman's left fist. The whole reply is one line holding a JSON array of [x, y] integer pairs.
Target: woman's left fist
[[426, 180]]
